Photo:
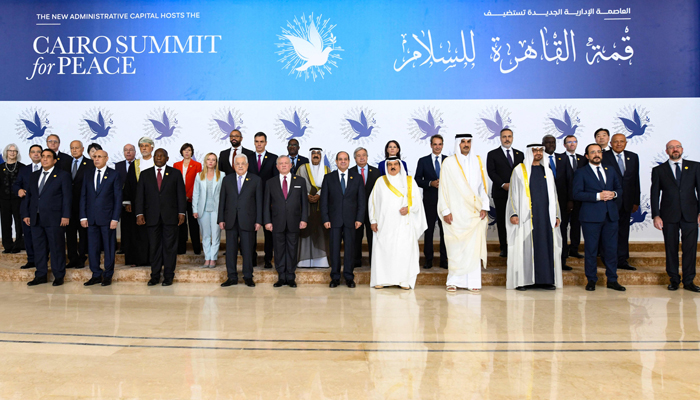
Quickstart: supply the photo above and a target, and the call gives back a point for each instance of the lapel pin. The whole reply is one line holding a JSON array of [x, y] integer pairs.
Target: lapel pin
[[54, 176], [105, 177], [265, 156], [628, 158], [167, 172], [606, 168], [246, 179], [686, 167], [559, 158], [84, 163]]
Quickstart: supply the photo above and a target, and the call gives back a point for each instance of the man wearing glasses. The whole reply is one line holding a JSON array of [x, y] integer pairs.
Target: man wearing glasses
[[576, 161]]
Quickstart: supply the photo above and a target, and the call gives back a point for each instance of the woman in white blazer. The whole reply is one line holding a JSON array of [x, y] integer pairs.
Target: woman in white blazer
[[205, 207]]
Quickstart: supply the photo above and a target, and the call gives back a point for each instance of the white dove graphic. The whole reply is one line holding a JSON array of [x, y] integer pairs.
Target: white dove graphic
[[311, 50]]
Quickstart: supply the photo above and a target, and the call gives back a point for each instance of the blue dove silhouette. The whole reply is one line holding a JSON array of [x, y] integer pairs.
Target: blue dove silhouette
[[294, 128], [327, 162], [428, 127], [638, 216], [163, 128], [635, 127], [35, 127], [564, 127], [492, 215], [495, 126], [227, 126], [360, 127], [98, 128]]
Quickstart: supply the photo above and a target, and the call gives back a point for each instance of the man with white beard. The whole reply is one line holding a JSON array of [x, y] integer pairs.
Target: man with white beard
[[313, 241], [534, 240], [463, 206], [398, 220]]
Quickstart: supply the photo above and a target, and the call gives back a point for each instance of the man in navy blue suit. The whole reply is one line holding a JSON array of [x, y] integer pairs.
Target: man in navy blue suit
[[428, 178], [342, 212], [47, 209], [597, 187], [128, 219], [20, 187], [100, 208]]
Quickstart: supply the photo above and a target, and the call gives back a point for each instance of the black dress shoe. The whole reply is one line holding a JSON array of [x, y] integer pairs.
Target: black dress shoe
[[106, 281], [672, 286], [79, 266], [120, 251], [279, 283], [503, 254], [268, 265], [37, 281], [249, 282], [230, 282], [521, 288], [28, 265], [351, 284], [565, 267], [590, 286], [291, 284], [15, 250], [575, 254], [427, 265], [692, 288], [627, 267], [93, 281], [153, 282], [616, 286], [334, 283], [7, 251], [167, 282], [548, 287], [57, 282], [443, 265]]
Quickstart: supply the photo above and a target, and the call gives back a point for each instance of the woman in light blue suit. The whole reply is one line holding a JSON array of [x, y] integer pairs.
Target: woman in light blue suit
[[205, 204]]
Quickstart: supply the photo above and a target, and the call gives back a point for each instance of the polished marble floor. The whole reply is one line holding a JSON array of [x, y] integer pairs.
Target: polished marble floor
[[200, 341]]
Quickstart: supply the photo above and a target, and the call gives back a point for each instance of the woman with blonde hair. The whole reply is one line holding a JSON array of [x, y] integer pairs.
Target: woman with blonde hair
[[205, 207], [10, 200]]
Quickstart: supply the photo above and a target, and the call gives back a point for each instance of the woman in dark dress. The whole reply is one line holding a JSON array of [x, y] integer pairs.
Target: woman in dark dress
[[10, 201]]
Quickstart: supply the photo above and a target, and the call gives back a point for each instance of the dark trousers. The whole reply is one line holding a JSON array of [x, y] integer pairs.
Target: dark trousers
[[192, 225], [575, 232], [101, 237], [28, 241], [9, 211], [286, 247], [76, 241], [431, 216], [500, 204], [359, 234], [623, 237], [347, 235], [163, 249], [604, 233], [49, 240], [689, 237], [563, 225], [246, 238], [128, 228]]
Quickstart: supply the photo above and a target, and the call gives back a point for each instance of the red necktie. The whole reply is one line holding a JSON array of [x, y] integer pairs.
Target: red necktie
[[234, 152], [364, 180], [284, 187], [260, 165], [159, 178]]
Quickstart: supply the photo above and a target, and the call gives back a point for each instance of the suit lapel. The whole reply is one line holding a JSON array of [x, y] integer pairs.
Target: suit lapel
[[103, 180], [671, 174]]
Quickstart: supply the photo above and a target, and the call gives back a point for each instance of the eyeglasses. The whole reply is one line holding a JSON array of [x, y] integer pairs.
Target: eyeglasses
[[11, 151], [53, 141], [572, 142]]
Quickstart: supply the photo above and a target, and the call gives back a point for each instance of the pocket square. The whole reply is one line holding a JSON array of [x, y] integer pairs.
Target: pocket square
[[297, 187]]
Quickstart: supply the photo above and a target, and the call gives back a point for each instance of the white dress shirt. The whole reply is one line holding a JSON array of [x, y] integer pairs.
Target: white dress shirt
[[341, 178], [102, 175], [41, 176], [673, 166], [289, 181], [238, 151]]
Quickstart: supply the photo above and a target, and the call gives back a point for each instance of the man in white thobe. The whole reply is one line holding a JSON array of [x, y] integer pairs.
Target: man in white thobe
[[463, 206], [313, 241], [398, 220], [532, 212]]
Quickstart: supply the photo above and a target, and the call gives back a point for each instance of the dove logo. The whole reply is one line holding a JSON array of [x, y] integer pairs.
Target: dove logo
[[359, 126], [161, 124], [96, 126], [292, 124], [308, 47], [491, 121], [224, 121], [641, 219], [633, 121], [562, 121], [424, 123], [32, 125]]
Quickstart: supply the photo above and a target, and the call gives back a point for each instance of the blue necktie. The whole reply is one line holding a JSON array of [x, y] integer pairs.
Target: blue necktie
[[678, 174], [553, 166], [621, 164], [600, 177], [43, 181], [239, 183], [510, 159], [342, 182], [437, 166], [97, 185], [75, 169]]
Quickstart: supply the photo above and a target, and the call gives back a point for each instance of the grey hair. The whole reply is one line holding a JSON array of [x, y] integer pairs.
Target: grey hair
[[354, 153], [146, 139], [243, 156], [281, 157], [4, 152], [129, 144]]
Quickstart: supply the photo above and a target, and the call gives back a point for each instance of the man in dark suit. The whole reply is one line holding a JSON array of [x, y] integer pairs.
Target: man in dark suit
[[100, 208], [263, 164], [53, 142], [602, 138], [499, 165], [21, 186], [226, 156], [47, 210], [626, 164], [160, 205], [285, 213], [342, 211], [428, 177], [76, 235], [677, 183], [575, 161], [369, 176], [596, 187], [562, 179], [128, 219], [240, 214], [297, 159]]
